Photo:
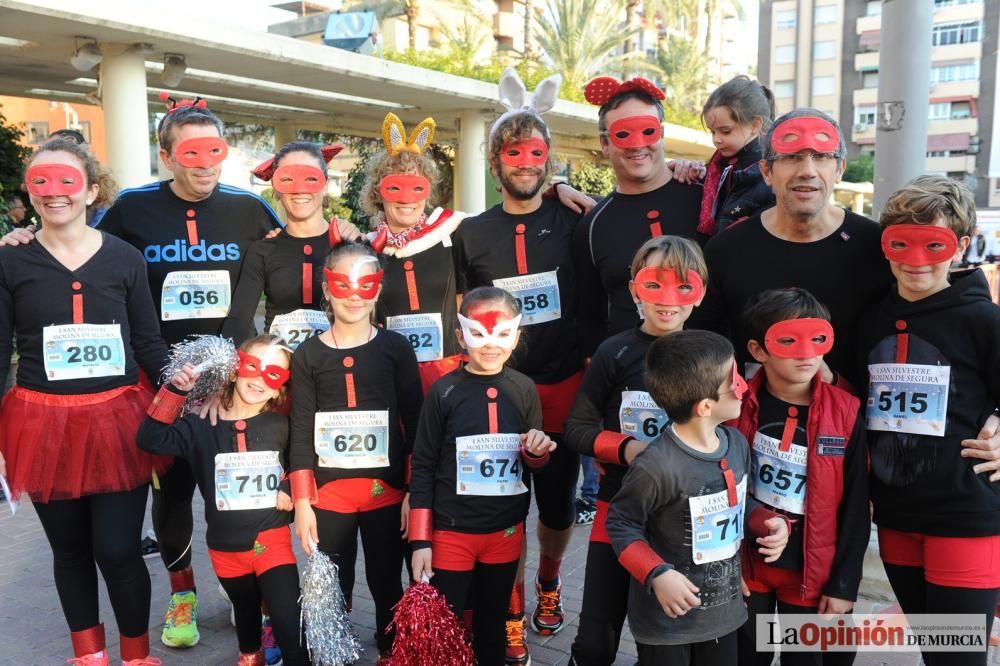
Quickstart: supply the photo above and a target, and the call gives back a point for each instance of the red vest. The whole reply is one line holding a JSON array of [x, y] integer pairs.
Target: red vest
[[832, 415]]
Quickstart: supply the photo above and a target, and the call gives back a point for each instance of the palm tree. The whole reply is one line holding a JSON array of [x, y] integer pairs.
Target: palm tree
[[683, 68], [529, 19], [581, 38], [387, 8]]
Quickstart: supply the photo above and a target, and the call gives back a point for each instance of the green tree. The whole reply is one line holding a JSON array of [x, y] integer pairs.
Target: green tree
[[13, 157], [592, 178], [581, 38], [861, 169], [464, 39], [683, 67], [388, 8]]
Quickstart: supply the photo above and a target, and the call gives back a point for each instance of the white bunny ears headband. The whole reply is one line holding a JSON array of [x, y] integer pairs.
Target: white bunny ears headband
[[515, 98]]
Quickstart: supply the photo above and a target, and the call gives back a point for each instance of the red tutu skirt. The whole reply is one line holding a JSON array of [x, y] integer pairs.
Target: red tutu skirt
[[68, 446]]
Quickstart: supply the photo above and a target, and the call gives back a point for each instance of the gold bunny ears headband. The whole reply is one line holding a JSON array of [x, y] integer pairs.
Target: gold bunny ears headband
[[394, 135]]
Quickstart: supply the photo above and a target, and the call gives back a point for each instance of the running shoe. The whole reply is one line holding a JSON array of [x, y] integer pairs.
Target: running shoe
[[180, 627], [90, 659], [517, 649], [585, 512], [150, 547], [548, 616], [272, 653]]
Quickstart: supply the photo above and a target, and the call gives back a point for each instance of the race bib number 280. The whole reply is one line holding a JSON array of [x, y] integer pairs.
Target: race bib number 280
[[83, 351]]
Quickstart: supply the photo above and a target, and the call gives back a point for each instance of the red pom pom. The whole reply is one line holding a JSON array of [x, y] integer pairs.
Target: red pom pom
[[164, 95], [427, 631]]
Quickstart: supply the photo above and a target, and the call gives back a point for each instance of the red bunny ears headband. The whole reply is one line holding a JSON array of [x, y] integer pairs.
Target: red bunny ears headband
[[174, 104], [603, 89], [265, 170]]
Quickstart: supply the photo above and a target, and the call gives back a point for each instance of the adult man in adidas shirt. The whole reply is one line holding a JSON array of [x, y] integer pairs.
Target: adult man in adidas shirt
[[193, 233]]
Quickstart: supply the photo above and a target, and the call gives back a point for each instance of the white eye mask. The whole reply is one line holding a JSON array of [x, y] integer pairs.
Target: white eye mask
[[504, 334]]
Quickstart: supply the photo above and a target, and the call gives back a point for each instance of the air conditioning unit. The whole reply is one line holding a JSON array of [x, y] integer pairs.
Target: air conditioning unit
[[860, 127]]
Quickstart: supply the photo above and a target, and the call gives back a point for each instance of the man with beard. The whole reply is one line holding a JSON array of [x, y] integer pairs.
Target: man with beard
[[648, 201], [523, 245]]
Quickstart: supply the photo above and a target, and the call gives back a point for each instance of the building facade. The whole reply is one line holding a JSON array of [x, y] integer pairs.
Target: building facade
[[825, 54]]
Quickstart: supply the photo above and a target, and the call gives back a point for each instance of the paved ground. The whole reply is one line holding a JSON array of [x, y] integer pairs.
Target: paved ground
[[33, 632]]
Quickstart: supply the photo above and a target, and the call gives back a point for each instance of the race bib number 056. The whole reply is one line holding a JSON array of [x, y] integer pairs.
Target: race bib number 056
[[83, 351], [903, 397], [489, 465], [716, 527], [538, 295], [352, 440], [422, 331], [195, 295], [247, 480]]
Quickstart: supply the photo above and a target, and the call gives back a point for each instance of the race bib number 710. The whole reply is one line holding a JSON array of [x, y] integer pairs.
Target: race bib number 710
[[716, 527]]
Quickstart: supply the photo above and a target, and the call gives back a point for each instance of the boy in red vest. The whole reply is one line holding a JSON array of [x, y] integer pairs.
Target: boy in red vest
[[809, 462]]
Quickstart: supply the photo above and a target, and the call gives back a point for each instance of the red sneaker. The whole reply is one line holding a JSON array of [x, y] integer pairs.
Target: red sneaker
[[548, 616], [517, 648]]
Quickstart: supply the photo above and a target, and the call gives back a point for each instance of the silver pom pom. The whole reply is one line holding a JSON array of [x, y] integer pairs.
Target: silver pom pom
[[213, 356], [328, 629]]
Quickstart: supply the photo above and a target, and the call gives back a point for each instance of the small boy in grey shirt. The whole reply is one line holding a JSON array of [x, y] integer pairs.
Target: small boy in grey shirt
[[678, 520]]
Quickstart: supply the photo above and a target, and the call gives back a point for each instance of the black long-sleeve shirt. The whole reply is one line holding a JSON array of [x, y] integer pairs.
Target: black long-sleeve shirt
[[605, 242], [37, 291], [383, 377], [199, 442], [485, 252], [846, 271], [618, 365], [274, 267], [156, 221], [457, 405], [920, 482]]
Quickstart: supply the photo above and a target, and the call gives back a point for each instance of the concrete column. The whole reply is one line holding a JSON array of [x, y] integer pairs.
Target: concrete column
[[859, 203], [470, 163], [283, 134], [126, 114], [903, 91]]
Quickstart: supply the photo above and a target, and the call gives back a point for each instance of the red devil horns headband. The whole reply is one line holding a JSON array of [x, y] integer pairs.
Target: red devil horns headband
[[265, 170], [603, 89], [377, 243], [174, 104]]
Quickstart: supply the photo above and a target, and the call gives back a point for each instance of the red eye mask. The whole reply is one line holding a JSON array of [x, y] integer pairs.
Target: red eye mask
[[919, 244], [404, 188], [204, 152], [805, 133], [365, 286], [52, 180], [298, 178], [528, 153], [739, 384], [669, 290], [250, 367], [635, 131], [799, 338]]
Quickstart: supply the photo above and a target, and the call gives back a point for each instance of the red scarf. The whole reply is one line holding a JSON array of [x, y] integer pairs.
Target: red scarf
[[706, 220], [400, 240]]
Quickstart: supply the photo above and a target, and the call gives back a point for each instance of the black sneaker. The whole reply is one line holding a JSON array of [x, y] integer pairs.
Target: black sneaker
[[149, 547], [585, 512]]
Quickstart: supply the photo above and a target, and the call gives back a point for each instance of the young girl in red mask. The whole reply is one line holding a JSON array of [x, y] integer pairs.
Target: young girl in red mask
[[239, 464], [356, 403], [480, 426]]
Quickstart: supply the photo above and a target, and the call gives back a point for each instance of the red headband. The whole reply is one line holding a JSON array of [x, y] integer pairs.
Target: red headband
[[919, 244], [603, 89], [265, 170], [799, 338], [175, 104], [250, 367]]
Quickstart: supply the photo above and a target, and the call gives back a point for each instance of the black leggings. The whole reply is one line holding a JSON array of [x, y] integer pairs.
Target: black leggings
[[554, 486], [916, 595], [490, 585], [172, 519], [605, 605], [105, 529], [759, 603], [279, 589], [720, 651], [384, 556]]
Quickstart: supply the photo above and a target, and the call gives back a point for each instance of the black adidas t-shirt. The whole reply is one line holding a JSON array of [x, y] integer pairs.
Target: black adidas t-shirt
[[179, 238]]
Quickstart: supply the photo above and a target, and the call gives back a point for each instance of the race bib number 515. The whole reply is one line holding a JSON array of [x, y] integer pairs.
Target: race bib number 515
[[904, 397]]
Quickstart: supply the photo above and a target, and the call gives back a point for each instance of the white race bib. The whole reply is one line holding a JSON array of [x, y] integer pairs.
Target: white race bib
[[779, 477], [489, 465], [904, 397], [296, 326], [195, 295], [538, 295], [424, 332], [83, 351], [247, 480], [352, 440], [640, 417], [716, 527]]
